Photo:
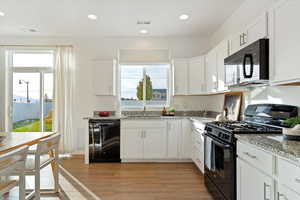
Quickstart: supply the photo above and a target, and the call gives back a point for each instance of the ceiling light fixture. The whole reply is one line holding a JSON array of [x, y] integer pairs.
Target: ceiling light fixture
[[143, 31], [184, 17], [2, 14], [92, 17]]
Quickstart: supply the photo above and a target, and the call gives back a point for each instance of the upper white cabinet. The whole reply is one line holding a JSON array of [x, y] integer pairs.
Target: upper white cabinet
[[196, 75], [180, 77], [104, 77], [222, 52], [285, 41], [189, 76], [257, 30], [211, 71]]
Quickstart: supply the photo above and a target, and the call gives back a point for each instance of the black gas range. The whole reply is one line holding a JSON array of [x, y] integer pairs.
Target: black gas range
[[220, 144]]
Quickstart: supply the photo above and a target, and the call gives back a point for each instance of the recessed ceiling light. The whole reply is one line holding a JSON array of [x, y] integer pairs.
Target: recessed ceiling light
[[143, 31], [2, 14], [92, 17], [184, 17]]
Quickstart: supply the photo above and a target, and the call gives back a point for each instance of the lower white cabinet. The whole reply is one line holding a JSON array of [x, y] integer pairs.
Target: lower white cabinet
[[143, 139], [155, 139], [132, 143], [173, 133], [285, 193], [252, 183]]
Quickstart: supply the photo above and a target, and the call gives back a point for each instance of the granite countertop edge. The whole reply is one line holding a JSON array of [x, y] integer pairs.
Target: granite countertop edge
[[196, 118], [286, 149]]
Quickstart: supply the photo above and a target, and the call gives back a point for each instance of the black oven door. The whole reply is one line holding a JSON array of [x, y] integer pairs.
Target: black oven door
[[220, 167]]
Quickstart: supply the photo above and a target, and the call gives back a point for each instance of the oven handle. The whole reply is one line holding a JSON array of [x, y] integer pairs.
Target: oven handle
[[219, 143]]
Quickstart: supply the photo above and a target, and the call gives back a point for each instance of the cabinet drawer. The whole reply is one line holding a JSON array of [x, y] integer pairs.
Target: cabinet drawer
[[289, 174], [256, 157]]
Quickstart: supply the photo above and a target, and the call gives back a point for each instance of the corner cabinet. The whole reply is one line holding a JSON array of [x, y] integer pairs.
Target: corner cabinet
[[285, 41], [104, 77], [189, 76]]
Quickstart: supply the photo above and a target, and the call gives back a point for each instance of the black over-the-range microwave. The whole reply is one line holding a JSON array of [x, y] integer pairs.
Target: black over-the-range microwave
[[249, 65]]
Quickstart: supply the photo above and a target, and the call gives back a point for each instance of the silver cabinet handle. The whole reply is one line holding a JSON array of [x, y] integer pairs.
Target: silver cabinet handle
[[281, 196], [267, 193], [145, 134], [249, 155]]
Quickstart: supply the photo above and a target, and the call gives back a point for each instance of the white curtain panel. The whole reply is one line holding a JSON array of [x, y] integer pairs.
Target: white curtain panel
[[64, 98], [2, 90]]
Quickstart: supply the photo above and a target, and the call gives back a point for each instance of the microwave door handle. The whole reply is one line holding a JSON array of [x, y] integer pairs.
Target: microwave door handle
[[248, 56]]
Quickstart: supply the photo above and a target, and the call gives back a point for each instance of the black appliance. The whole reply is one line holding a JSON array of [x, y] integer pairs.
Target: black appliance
[[220, 144], [250, 65], [104, 140]]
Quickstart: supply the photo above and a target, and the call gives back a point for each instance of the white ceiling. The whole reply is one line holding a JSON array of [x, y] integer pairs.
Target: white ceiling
[[115, 17]]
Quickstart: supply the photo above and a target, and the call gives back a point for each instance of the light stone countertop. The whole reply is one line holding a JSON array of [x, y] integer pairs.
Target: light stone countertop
[[276, 144]]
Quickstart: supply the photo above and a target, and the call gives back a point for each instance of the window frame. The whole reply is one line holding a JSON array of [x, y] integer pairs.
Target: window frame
[[42, 70], [144, 105]]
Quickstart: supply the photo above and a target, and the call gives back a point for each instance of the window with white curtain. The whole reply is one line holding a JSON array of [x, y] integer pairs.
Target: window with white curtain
[[145, 85]]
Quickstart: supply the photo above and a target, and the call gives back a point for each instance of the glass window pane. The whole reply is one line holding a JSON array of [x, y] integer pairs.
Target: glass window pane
[[26, 102], [33, 59], [48, 101], [157, 84], [131, 85]]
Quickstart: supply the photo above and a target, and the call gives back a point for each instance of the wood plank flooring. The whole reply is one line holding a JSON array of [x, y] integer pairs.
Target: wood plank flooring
[[157, 181]]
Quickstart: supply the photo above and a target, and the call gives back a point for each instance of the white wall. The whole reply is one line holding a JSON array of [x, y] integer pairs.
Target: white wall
[[88, 49]]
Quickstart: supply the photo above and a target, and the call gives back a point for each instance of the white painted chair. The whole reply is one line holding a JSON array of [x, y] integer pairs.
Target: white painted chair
[[35, 163], [10, 163]]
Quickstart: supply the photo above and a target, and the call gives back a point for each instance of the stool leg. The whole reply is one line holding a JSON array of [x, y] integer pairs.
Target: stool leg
[[22, 185]]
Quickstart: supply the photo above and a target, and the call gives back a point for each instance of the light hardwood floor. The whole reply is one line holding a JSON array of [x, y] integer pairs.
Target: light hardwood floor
[[115, 181]]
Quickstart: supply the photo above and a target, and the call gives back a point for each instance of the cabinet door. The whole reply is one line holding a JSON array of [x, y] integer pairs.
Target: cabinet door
[[285, 40], [252, 184], [258, 30], [131, 143], [221, 54], [196, 75], [173, 132], [155, 143], [285, 193], [180, 77], [186, 140], [104, 73], [211, 71], [237, 42]]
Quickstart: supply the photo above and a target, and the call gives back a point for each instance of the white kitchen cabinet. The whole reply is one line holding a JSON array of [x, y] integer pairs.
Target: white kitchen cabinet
[[222, 52], [211, 71], [143, 139], [285, 41], [132, 143], [285, 193], [173, 133], [254, 31], [104, 77], [252, 183], [196, 75], [180, 77], [186, 140], [155, 143]]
